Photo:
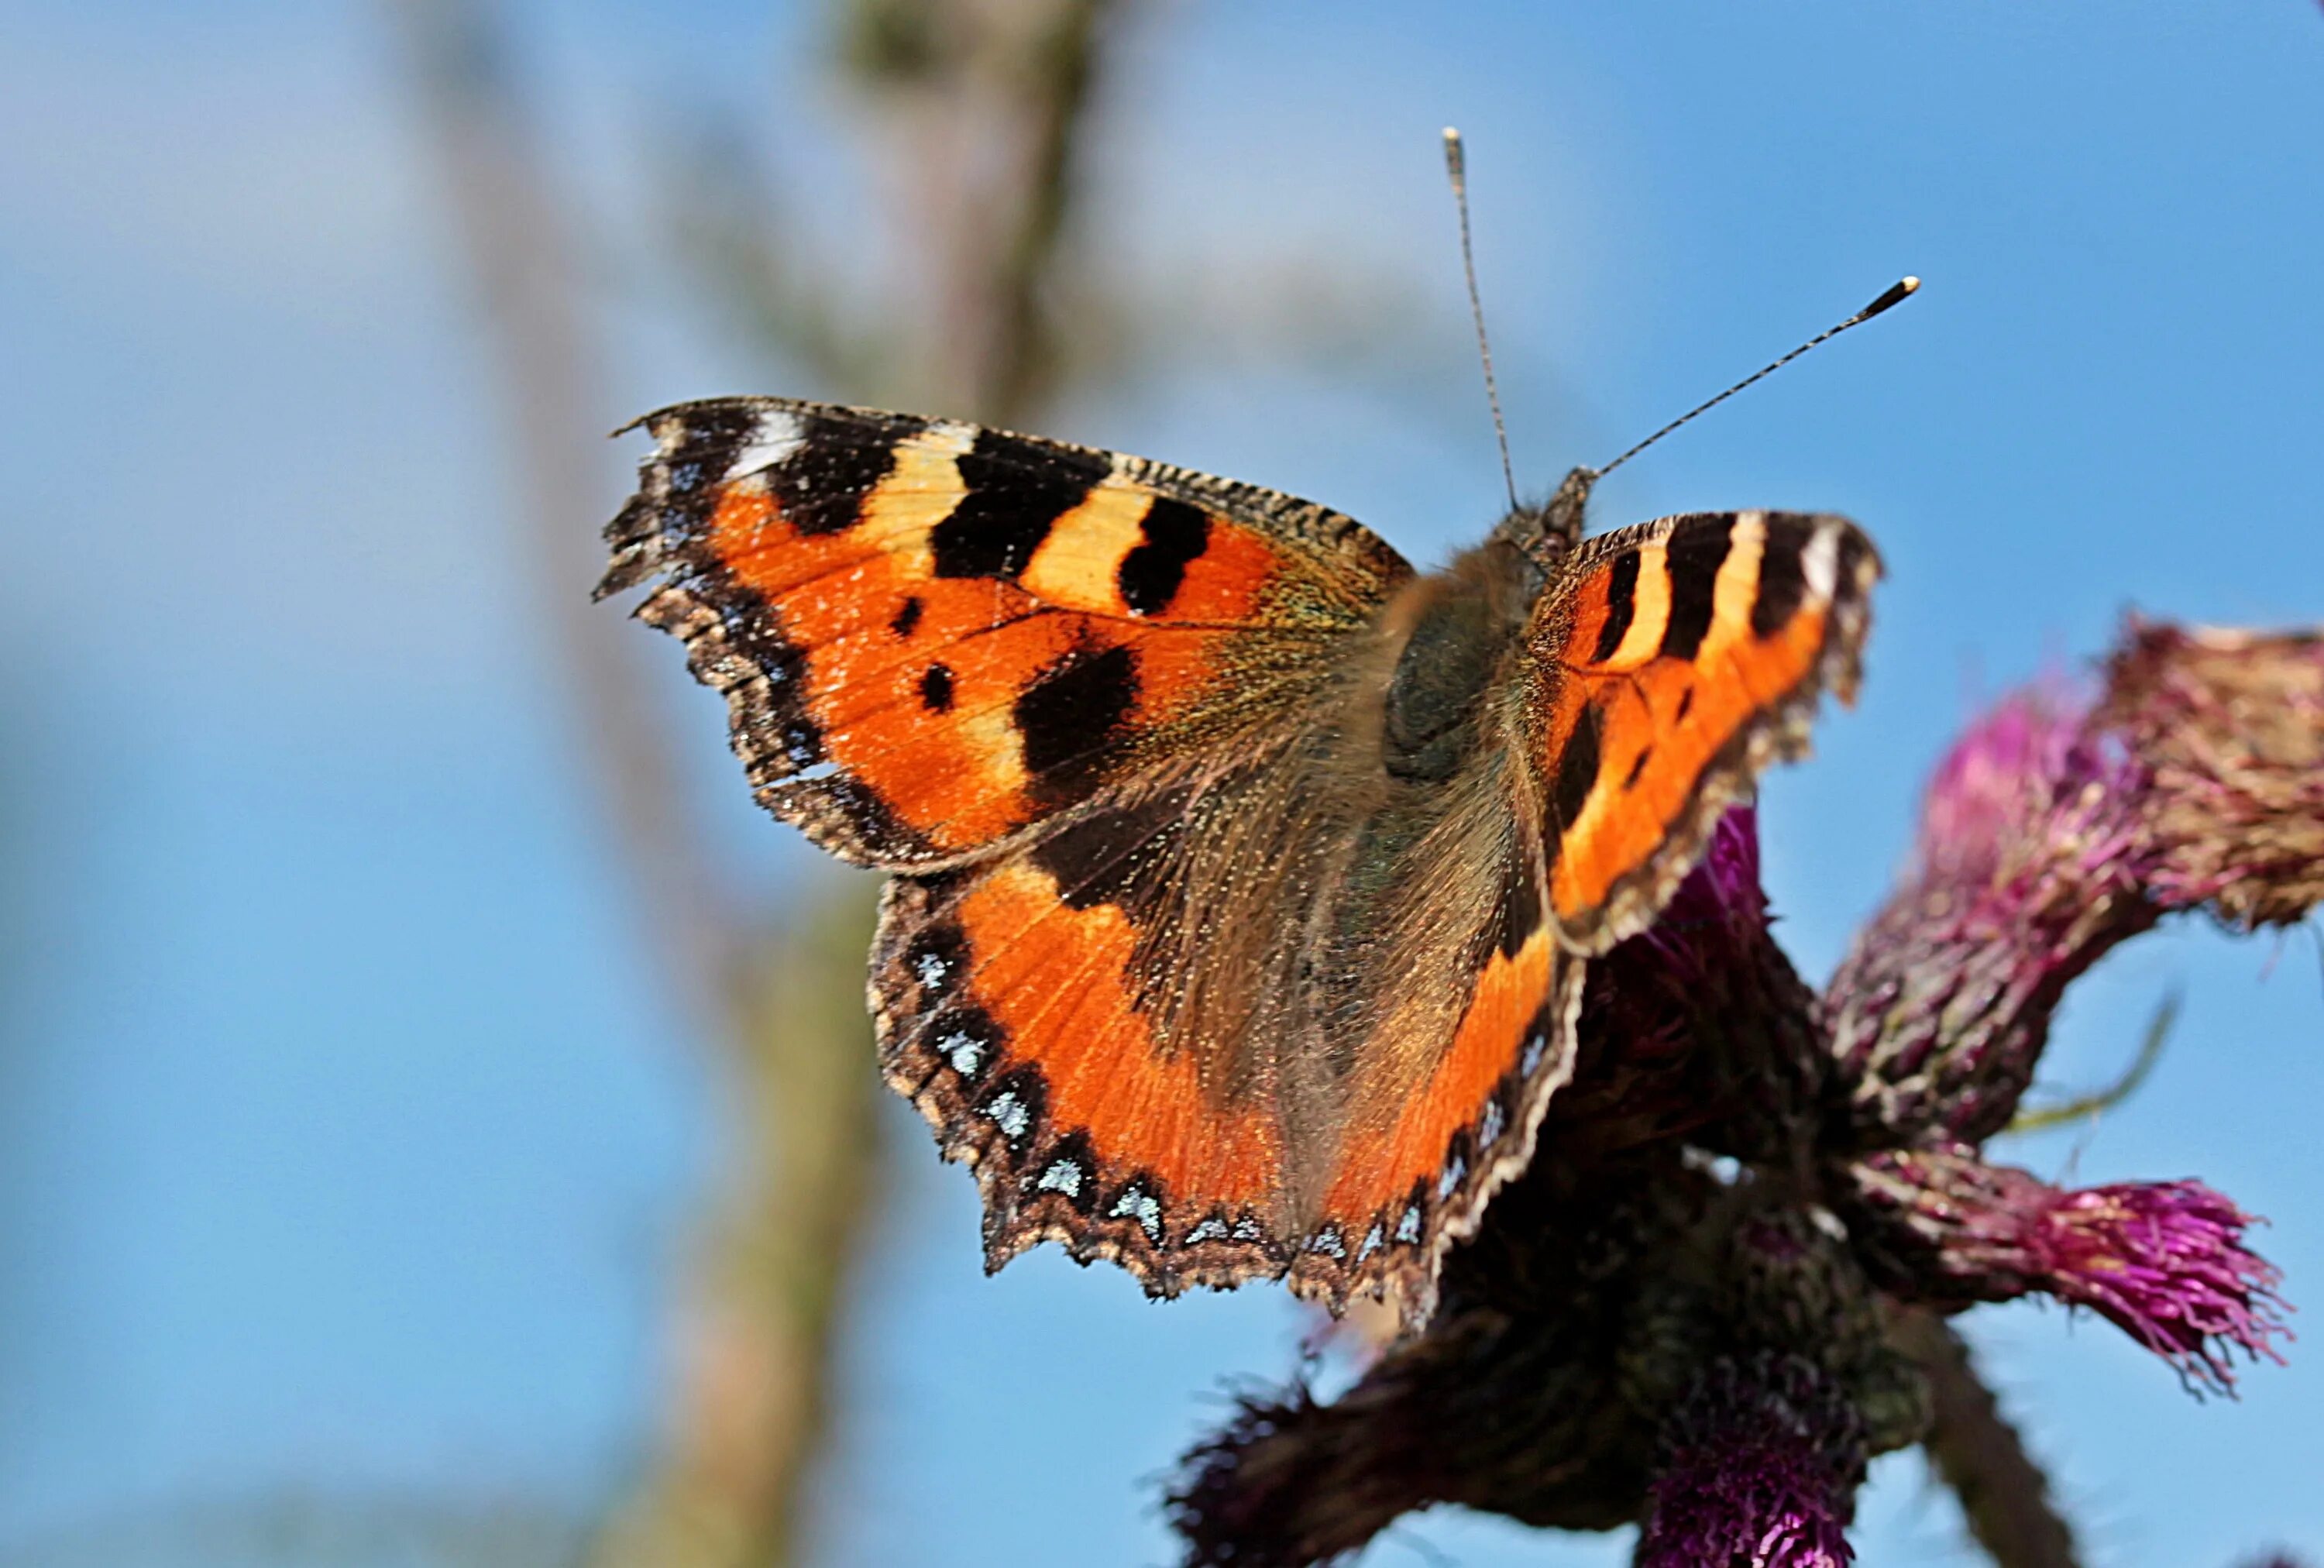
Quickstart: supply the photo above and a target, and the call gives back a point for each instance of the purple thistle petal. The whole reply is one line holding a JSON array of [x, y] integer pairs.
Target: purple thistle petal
[[1718, 913], [2164, 1261]]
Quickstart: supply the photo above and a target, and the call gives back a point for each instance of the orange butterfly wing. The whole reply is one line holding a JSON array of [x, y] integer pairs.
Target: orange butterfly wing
[[1672, 663], [1427, 1146], [932, 636], [1666, 666]]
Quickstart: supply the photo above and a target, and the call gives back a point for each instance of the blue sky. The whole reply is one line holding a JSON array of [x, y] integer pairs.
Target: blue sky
[[347, 1148]]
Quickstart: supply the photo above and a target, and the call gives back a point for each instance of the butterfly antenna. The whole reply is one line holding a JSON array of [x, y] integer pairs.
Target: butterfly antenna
[[1456, 166], [1895, 295]]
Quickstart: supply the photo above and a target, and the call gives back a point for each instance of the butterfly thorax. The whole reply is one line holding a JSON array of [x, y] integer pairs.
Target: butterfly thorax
[[1464, 623]]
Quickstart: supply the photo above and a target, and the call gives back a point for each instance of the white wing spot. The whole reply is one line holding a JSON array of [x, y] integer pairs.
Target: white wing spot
[[778, 437], [1137, 1203], [1408, 1229], [1819, 562], [1009, 1113], [965, 1051], [1451, 1178], [1064, 1177]]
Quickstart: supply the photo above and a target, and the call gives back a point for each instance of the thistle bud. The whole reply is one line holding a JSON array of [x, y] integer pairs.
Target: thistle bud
[[2031, 863]]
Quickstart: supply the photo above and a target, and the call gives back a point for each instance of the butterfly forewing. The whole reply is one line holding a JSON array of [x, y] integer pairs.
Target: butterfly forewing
[[954, 633], [1670, 664]]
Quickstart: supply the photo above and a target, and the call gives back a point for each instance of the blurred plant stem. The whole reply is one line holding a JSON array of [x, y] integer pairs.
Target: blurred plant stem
[[784, 1010], [520, 250], [989, 97], [2082, 1107], [754, 1391], [2003, 1493]]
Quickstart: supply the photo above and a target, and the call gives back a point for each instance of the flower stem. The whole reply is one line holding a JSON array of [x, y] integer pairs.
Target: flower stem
[[2003, 1493]]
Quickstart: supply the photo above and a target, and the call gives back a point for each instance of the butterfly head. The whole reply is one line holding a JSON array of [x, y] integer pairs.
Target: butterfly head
[[1546, 532]]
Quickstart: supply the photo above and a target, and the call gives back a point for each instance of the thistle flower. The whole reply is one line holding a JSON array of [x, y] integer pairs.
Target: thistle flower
[[2023, 783], [1517, 1410], [2031, 863], [2058, 827], [2164, 1261], [1760, 1465], [2230, 726]]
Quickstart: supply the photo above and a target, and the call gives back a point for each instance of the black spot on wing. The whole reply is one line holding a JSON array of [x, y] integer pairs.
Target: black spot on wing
[[1696, 550], [1782, 582], [1015, 491], [1073, 715], [936, 688], [1621, 605], [1176, 533], [1637, 768], [1577, 767], [965, 1040], [1107, 856], [1685, 705], [937, 959], [820, 487], [908, 616]]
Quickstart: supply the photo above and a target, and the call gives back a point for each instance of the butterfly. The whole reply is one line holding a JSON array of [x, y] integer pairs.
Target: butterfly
[[1242, 879]]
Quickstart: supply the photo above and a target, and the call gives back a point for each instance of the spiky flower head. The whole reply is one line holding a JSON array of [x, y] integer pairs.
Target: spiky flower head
[[1760, 1465], [1686, 1311], [2230, 728], [2164, 1261], [2031, 864]]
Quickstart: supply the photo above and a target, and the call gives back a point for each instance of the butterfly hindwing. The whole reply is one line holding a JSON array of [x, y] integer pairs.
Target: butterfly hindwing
[[1067, 1027], [1470, 1008], [1107, 1022], [1671, 663]]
